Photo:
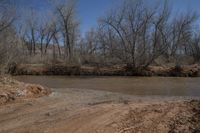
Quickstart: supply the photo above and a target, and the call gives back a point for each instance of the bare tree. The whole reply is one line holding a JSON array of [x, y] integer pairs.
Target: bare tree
[[42, 32], [68, 25], [194, 46], [133, 34], [159, 43], [135, 24], [181, 32], [31, 31], [7, 16], [9, 48], [50, 32]]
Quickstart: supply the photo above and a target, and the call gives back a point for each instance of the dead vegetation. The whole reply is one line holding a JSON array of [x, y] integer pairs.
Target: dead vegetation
[[133, 34], [165, 71], [12, 90]]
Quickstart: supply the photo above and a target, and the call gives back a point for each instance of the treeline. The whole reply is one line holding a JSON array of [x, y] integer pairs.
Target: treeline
[[133, 34]]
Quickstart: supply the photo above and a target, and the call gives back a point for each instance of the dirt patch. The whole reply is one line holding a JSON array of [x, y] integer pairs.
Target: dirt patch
[[11, 90], [166, 118], [172, 117], [89, 111], [175, 71]]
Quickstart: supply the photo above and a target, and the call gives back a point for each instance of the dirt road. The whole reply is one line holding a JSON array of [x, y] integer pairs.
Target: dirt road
[[88, 111]]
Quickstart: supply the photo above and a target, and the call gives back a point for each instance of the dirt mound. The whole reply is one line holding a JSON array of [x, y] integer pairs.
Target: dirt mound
[[32, 91], [6, 97], [166, 118], [11, 90]]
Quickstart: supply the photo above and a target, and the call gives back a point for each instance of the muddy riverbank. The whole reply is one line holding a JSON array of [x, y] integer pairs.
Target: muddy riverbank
[[165, 71], [88, 111]]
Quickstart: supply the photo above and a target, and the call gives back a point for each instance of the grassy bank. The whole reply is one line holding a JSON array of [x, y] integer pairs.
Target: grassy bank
[[165, 71]]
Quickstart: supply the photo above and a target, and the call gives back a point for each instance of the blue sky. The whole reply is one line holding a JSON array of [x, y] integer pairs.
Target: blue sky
[[90, 10]]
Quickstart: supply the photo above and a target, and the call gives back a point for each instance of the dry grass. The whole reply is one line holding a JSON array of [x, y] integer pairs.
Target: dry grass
[[12, 90]]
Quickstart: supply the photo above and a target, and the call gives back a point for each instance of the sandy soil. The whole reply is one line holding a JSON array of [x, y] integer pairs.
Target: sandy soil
[[89, 111]]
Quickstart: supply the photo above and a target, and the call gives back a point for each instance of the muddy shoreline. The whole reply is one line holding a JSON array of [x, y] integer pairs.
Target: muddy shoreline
[[73, 70], [88, 111], [76, 110]]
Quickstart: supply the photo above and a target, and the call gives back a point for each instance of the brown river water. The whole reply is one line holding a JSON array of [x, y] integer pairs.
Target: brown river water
[[142, 86]]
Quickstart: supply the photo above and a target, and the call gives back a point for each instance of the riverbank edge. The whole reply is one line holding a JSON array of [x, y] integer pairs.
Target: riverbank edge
[[115, 108], [74, 70]]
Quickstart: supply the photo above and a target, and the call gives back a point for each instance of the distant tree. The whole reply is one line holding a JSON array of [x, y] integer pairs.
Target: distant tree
[[66, 15], [139, 32], [7, 16], [9, 48], [181, 32]]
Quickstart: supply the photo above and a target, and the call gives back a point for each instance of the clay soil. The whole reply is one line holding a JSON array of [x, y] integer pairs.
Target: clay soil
[[89, 111]]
